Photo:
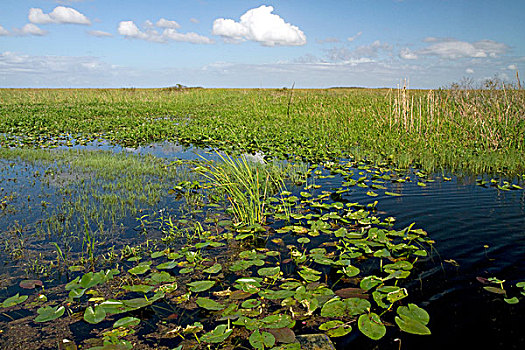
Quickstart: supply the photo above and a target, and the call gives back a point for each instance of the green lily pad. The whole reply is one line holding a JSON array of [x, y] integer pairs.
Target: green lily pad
[[250, 303], [333, 308], [49, 313], [162, 277], [14, 300], [261, 340], [139, 288], [414, 312], [167, 265], [139, 270], [513, 300], [209, 304], [269, 271], [213, 269], [218, 335], [200, 286], [94, 315], [126, 322], [371, 326], [412, 326]]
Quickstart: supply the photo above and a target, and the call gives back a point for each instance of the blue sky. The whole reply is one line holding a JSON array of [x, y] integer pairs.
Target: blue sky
[[245, 43]]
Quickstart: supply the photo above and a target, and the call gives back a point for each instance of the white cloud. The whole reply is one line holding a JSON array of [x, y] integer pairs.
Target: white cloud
[[60, 14], [512, 67], [130, 30], [262, 26], [407, 54], [449, 48], [164, 23], [469, 71], [352, 38], [344, 54], [99, 33], [29, 29], [191, 37], [3, 31]]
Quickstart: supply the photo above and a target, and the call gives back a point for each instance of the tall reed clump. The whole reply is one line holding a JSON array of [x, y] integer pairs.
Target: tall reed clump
[[247, 185], [463, 126]]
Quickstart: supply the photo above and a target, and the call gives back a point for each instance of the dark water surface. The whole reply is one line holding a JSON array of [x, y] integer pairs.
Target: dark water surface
[[478, 232], [462, 218]]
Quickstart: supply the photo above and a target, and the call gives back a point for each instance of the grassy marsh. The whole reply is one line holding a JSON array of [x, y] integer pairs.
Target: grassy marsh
[[461, 128]]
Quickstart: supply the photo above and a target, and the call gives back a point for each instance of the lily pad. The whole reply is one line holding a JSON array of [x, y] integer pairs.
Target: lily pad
[[139, 270], [49, 313], [412, 326], [209, 304], [94, 315], [14, 300], [126, 322], [200, 286], [262, 340], [218, 335], [371, 326], [30, 284], [269, 271]]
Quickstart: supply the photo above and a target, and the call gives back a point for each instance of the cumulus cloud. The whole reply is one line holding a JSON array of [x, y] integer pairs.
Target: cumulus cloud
[[469, 71], [352, 38], [164, 23], [262, 26], [449, 48], [60, 15], [512, 67], [99, 33], [130, 30]]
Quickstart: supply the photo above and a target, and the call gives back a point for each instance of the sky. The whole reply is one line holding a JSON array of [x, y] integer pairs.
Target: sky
[[256, 43]]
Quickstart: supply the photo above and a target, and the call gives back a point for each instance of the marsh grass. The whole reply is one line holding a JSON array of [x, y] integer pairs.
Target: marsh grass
[[247, 185], [466, 128]]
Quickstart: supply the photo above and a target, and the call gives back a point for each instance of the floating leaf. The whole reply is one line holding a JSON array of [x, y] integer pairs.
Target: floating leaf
[[250, 303], [94, 315], [371, 326], [30, 284], [49, 313], [261, 340], [356, 306], [162, 277], [283, 335], [412, 326], [139, 270], [209, 304], [218, 335], [333, 308], [14, 300], [213, 269], [513, 300], [495, 290], [269, 271], [414, 312], [167, 265], [200, 286], [335, 328], [126, 322], [139, 288]]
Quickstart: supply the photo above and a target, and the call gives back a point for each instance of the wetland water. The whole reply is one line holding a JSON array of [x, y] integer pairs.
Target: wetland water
[[479, 233]]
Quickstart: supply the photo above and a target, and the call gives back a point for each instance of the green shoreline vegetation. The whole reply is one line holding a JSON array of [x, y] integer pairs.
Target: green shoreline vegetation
[[459, 129]]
